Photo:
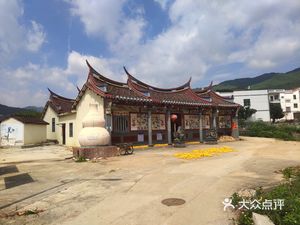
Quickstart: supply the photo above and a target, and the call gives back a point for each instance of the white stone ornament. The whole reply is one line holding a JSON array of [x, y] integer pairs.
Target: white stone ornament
[[93, 132]]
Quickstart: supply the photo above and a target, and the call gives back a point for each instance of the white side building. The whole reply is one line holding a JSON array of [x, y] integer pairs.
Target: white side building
[[290, 104], [255, 99], [20, 130]]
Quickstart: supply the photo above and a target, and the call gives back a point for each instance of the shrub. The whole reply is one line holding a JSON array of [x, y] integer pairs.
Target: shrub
[[290, 213], [263, 129]]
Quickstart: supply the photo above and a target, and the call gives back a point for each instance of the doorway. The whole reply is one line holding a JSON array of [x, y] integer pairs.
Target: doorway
[[63, 131]]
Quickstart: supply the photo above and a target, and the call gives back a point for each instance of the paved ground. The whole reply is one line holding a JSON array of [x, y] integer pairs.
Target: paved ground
[[128, 190]]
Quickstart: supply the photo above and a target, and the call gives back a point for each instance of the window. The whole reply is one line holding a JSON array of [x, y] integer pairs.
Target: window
[[70, 129], [102, 88], [53, 124], [288, 109], [247, 103], [271, 98], [294, 96], [295, 105], [146, 93], [288, 100], [120, 123], [276, 97]]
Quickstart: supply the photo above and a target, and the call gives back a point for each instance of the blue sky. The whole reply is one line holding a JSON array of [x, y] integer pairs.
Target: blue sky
[[162, 42]]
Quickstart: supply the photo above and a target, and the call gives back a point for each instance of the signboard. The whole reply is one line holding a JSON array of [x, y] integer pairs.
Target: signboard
[[140, 137], [159, 137]]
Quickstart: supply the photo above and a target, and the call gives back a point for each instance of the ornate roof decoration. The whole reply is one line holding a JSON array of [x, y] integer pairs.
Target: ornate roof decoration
[[147, 86], [58, 103], [136, 92], [208, 93]]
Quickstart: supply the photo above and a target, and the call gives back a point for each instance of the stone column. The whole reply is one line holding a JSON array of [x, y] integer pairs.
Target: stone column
[[235, 126], [200, 126], [214, 115], [150, 129], [169, 127]]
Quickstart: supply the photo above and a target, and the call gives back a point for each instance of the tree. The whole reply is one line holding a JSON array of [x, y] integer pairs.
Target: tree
[[29, 113], [276, 111], [246, 112]]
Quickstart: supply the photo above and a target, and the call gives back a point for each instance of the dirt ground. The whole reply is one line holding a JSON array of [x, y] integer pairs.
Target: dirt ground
[[128, 190]]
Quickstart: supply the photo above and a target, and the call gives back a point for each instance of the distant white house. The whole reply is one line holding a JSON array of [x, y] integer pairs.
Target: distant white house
[[260, 100], [18, 130], [255, 99], [289, 101]]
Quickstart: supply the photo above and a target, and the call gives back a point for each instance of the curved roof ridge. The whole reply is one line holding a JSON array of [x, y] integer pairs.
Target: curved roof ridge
[[59, 96], [220, 97], [131, 86], [205, 89], [102, 77], [185, 85], [198, 97]]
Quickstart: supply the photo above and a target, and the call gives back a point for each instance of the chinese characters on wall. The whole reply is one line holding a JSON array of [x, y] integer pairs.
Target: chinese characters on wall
[[192, 121], [139, 121]]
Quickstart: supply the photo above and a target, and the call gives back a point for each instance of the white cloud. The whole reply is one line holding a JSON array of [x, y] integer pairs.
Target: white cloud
[[13, 32], [35, 37], [202, 34], [107, 19], [163, 3], [27, 85]]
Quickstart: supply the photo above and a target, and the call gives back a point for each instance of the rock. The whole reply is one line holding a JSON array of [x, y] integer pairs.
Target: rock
[[247, 193], [261, 219]]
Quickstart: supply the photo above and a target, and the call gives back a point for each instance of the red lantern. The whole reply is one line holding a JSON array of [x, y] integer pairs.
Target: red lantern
[[173, 117]]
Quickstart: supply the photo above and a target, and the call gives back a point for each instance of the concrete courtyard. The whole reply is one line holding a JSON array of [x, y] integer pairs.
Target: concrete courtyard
[[128, 190]]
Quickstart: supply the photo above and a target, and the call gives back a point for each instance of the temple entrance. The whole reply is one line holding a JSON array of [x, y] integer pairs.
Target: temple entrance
[[63, 133], [175, 123]]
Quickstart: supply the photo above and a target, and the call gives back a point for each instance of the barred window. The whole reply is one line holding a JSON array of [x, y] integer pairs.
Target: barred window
[[70, 129], [120, 123], [53, 124]]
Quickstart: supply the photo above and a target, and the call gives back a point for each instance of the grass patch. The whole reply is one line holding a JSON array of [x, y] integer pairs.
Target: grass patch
[[80, 159], [289, 191], [279, 131]]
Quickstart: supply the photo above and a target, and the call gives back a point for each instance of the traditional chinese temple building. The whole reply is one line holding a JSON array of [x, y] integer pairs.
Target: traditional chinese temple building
[[138, 113]]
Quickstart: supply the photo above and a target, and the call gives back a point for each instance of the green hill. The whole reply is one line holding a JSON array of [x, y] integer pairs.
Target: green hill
[[29, 111], [287, 80]]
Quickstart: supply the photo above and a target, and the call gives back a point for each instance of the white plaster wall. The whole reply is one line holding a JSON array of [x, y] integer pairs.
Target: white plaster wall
[[35, 133], [16, 137], [259, 100], [67, 119], [50, 113], [289, 101]]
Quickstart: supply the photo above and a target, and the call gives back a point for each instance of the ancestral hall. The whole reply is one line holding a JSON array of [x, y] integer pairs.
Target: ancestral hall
[[138, 113]]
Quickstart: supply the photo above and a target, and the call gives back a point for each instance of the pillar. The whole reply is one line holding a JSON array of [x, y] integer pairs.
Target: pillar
[[214, 114], [200, 126], [235, 126], [169, 127], [150, 128]]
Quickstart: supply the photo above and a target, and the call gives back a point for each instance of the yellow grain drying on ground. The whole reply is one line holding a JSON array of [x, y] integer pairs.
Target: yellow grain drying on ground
[[200, 153]]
